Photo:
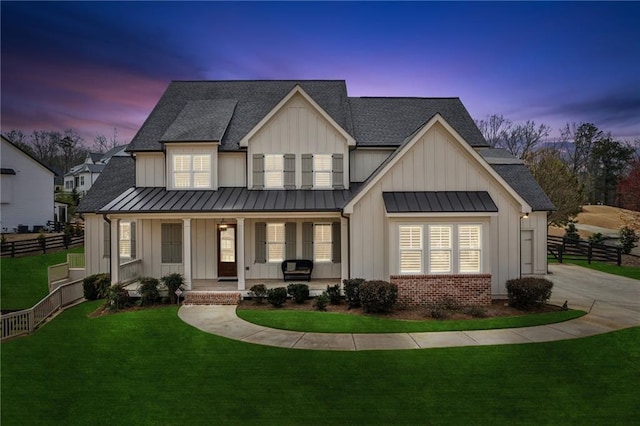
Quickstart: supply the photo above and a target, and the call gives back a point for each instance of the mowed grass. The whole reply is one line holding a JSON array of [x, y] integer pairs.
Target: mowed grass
[[24, 279], [328, 322], [148, 367], [609, 268]]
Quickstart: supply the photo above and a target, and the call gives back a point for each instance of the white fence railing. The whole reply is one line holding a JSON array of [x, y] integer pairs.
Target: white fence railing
[[75, 260], [130, 271], [25, 321]]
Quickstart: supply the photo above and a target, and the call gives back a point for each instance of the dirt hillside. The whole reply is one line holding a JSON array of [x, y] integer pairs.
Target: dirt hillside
[[605, 217]]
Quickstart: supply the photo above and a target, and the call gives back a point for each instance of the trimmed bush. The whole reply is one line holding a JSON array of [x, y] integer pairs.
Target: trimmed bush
[[442, 307], [628, 239], [475, 311], [571, 232], [277, 296], [95, 286], [258, 292], [298, 292], [526, 293], [320, 302], [352, 291], [596, 238], [173, 282], [148, 290], [378, 296], [333, 292], [117, 297]]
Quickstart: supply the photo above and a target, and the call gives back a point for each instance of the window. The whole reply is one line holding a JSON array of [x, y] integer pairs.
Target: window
[[322, 170], [275, 242], [322, 242], [192, 171], [171, 244], [273, 171], [410, 249], [469, 249], [125, 239], [439, 249], [81, 180]]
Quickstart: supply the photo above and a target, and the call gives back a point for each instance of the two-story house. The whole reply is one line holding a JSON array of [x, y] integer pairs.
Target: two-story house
[[228, 179], [82, 176]]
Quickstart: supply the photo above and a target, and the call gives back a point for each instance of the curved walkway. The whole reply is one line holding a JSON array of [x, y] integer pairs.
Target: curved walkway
[[613, 303]]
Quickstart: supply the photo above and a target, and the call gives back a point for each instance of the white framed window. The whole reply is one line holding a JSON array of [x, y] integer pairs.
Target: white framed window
[[322, 170], [411, 249], [192, 171], [275, 242], [125, 239], [322, 243], [81, 180], [440, 249], [274, 171], [469, 249]]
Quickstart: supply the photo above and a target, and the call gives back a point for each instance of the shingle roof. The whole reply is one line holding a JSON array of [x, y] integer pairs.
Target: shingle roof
[[388, 121], [116, 177], [521, 180], [255, 99], [498, 156], [201, 121], [439, 202]]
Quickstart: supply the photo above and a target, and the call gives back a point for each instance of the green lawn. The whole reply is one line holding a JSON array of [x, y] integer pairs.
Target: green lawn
[[148, 367], [609, 268], [326, 322], [24, 279]]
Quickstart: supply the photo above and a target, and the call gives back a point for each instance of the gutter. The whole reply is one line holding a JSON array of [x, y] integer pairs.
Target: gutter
[[348, 242], [106, 219]]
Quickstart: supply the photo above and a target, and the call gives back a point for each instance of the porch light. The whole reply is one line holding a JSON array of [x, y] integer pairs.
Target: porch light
[[526, 216], [223, 225]]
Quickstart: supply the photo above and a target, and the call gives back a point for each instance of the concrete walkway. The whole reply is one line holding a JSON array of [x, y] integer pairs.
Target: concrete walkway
[[613, 302]]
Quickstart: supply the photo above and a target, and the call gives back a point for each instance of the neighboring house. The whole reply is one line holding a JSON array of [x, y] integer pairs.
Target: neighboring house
[[229, 178], [83, 176], [26, 190]]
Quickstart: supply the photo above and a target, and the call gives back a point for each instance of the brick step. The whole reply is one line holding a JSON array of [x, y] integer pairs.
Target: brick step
[[212, 298]]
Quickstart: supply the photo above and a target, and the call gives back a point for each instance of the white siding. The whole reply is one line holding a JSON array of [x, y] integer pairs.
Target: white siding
[[232, 170], [95, 260], [298, 129], [435, 163], [150, 169], [31, 190], [193, 149], [537, 222], [364, 162], [204, 249], [150, 243]]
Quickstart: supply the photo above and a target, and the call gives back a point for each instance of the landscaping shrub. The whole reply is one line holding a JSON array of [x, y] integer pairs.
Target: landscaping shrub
[[442, 307], [258, 292], [173, 282], [378, 296], [148, 290], [475, 311], [277, 296], [96, 286], [596, 238], [571, 232], [117, 297], [628, 239], [298, 292], [352, 291], [525, 293], [320, 302], [333, 292]]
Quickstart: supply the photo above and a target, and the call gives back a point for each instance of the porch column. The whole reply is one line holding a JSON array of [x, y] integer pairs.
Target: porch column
[[240, 252], [114, 255], [344, 248], [186, 252]]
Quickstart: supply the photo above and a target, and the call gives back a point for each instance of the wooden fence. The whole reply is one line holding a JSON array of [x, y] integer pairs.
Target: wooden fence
[[17, 248], [25, 321], [564, 248]]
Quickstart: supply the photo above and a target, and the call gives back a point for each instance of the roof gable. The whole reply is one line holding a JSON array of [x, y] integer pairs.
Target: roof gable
[[201, 121], [28, 155]]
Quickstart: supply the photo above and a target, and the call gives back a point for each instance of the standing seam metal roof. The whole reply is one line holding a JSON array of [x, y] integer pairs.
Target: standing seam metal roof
[[439, 202]]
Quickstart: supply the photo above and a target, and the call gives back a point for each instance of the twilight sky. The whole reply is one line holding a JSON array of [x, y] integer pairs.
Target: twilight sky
[[99, 66]]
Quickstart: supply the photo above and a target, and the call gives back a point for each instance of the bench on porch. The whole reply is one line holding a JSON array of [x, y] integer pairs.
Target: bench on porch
[[297, 269]]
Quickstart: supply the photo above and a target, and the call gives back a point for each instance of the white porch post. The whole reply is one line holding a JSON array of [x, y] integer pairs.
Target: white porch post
[[186, 252], [114, 256], [344, 248], [240, 252]]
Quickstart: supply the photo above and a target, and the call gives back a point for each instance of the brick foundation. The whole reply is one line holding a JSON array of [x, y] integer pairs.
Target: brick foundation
[[211, 298], [416, 290]]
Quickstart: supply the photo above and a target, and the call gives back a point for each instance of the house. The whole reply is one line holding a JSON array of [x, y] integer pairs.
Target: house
[[26, 190], [82, 176], [227, 179]]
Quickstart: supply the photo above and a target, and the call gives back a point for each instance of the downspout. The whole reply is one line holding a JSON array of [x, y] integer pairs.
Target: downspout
[[106, 219], [348, 242]]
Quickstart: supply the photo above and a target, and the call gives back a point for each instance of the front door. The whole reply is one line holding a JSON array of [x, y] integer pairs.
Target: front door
[[227, 251]]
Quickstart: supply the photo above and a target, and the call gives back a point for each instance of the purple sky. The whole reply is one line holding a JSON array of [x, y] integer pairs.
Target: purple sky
[[99, 66]]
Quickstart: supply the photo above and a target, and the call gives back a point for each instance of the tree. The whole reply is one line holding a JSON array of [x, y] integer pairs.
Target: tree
[[578, 141], [103, 144], [609, 161], [494, 128], [560, 185], [522, 139], [628, 191]]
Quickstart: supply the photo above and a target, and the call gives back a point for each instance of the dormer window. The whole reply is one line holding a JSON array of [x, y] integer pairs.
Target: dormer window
[[273, 171], [192, 171]]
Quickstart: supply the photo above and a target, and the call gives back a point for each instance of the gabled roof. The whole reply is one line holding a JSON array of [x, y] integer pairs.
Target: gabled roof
[[117, 176], [205, 120], [255, 99], [28, 155], [113, 151]]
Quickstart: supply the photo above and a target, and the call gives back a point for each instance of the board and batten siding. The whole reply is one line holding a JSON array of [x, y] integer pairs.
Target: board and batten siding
[[193, 149], [150, 240], [363, 162], [435, 163], [232, 169], [150, 169], [298, 129], [204, 249], [273, 270], [95, 260], [537, 222]]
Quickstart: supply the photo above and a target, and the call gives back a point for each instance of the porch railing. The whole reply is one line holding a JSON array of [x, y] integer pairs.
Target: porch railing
[[130, 271], [75, 260], [72, 270], [25, 321]]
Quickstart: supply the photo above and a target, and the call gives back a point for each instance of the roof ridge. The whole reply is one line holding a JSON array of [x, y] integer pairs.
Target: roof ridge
[[257, 80], [404, 97]]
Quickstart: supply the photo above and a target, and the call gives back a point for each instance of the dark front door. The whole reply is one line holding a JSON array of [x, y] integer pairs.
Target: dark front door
[[227, 251]]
